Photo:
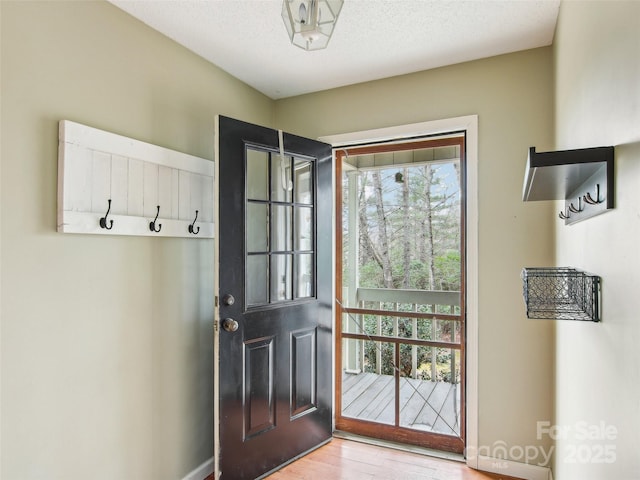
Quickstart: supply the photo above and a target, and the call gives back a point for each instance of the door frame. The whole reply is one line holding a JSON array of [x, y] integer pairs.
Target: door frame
[[216, 306], [469, 124]]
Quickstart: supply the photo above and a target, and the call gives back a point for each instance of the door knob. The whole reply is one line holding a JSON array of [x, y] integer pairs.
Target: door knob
[[228, 300], [230, 325]]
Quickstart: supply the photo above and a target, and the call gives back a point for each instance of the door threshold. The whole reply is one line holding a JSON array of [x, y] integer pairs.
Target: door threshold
[[429, 452]]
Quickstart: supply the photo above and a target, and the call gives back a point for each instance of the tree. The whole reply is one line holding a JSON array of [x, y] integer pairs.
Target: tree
[[426, 243], [406, 220], [381, 250]]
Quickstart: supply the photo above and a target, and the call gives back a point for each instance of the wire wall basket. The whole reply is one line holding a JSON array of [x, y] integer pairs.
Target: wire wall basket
[[561, 294]]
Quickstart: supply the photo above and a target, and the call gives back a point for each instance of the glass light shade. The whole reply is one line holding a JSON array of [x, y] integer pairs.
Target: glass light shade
[[310, 23]]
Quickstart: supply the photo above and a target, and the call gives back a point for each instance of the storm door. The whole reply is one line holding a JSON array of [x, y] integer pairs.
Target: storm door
[[400, 322]]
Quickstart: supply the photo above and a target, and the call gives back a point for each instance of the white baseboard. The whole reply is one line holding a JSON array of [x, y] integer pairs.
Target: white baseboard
[[201, 472], [513, 469]]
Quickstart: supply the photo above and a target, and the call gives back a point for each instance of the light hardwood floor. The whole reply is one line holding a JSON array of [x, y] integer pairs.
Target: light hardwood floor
[[350, 460]]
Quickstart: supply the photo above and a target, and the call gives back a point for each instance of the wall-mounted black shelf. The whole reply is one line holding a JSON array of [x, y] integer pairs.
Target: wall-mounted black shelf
[[582, 177]]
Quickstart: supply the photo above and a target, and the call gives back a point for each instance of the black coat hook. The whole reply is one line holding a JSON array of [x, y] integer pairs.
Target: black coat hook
[[580, 207], [564, 216], [103, 220], [152, 225], [590, 200], [192, 228]]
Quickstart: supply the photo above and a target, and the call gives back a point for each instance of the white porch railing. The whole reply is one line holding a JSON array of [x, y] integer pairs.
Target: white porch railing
[[434, 305]]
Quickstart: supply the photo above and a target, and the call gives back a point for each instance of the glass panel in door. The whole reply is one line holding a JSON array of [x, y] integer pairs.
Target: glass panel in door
[[280, 215]]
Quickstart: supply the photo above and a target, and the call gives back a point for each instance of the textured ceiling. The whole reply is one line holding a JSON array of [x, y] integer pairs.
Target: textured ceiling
[[373, 39]]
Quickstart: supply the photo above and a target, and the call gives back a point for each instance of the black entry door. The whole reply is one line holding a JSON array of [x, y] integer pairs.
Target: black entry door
[[274, 291]]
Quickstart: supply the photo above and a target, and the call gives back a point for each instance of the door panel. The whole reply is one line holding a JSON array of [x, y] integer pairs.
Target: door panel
[[274, 245], [259, 386], [303, 375]]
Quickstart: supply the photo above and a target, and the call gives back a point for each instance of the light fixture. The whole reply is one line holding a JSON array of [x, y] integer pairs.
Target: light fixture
[[310, 23]]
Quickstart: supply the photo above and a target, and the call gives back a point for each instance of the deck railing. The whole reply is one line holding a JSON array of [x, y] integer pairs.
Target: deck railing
[[416, 305]]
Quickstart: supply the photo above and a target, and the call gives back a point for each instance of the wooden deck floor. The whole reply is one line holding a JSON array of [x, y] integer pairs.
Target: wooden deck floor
[[424, 405]]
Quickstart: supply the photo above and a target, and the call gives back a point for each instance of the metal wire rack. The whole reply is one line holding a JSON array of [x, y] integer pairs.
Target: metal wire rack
[[561, 293]]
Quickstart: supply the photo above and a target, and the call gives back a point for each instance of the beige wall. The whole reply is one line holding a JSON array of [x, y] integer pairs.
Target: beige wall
[[513, 98], [597, 84], [106, 341]]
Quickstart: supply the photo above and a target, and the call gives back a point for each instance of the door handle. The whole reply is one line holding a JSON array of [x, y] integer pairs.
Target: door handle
[[230, 325]]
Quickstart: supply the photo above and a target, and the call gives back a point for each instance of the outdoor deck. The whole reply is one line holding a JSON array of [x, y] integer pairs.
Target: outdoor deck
[[424, 405]]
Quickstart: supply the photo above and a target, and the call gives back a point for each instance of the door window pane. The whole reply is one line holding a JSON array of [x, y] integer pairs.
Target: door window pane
[[256, 227], [303, 177], [304, 228], [281, 184], [304, 275], [280, 228], [257, 282], [281, 278], [257, 174]]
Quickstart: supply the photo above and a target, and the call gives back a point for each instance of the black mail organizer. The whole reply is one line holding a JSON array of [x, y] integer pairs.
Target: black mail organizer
[[561, 293], [583, 178]]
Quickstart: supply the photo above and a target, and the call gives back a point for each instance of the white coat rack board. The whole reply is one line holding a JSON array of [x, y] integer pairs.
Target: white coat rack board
[[113, 185]]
